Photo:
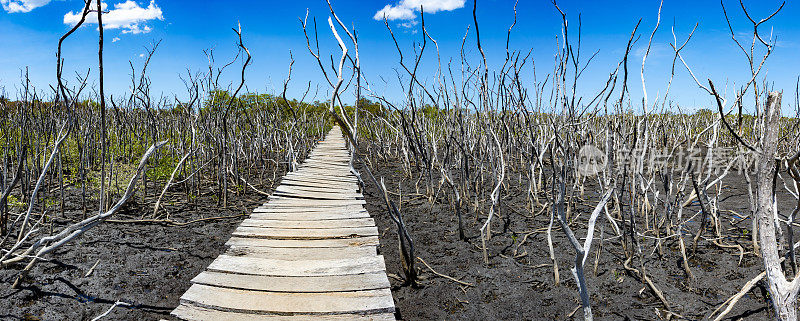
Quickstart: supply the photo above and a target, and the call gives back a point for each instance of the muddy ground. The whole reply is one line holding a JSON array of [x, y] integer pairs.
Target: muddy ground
[[150, 265], [520, 288], [146, 265]]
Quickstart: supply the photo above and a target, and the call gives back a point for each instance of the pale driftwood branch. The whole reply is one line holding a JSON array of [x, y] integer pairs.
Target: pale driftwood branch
[[443, 275], [48, 244], [116, 304], [63, 133]]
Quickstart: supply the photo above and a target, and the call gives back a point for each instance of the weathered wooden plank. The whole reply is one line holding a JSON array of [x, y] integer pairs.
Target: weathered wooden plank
[[299, 253], [315, 209], [328, 159], [316, 195], [308, 214], [358, 302], [318, 173], [324, 171], [312, 208], [309, 284], [189, 311], [296, 224], [307, 210], [323, 167], [350, 186], [318, 189], [314, 205], [331, 193], [304, 234], [339, 171], [296, 180], [321, 204], [321, 176], [311, 216], [325, 186], [279, 201], [359, 241], [266, 266], [316, 184]]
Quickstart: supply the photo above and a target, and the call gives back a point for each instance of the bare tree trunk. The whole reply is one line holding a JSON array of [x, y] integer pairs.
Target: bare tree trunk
[[783, 294], [102, 111]]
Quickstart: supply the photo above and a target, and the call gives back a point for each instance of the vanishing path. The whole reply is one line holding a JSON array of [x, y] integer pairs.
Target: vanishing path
[[309, 253]]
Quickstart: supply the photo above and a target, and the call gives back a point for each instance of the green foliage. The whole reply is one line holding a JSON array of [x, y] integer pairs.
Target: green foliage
[[161, 168], [14, 202], [432, 112], [373, 108]]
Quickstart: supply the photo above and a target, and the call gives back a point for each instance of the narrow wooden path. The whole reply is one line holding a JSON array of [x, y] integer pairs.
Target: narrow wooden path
[[309, 253]]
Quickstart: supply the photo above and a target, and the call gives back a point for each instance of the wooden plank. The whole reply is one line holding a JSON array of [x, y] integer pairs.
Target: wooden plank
[[311, 205], [304, 234], [301, 214], [328, 159], [344, 211], [322, 176], [316, 184], [319, 209], [317, 171], [189, 311], [343, 168], [311, 284], [283, 253], [323, 217], [329, 169], [335, 160], [328, 224], [331, 146], [305, 214], [266, 266], [324, 173], [359, 302], [360, 241], [321, 184], [316, 195], [278, 201], [319, 189], [322, 205], [331, 152], [350, 194]]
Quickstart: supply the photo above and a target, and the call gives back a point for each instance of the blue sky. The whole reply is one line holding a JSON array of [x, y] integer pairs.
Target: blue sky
[[271, 30]]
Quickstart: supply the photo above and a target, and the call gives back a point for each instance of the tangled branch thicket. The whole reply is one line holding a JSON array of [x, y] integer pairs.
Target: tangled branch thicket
[[466, 136], [214, 142], [482, 134]]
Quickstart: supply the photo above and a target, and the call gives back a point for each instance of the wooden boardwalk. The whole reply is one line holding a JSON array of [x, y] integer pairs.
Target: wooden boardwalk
[[310, 253]]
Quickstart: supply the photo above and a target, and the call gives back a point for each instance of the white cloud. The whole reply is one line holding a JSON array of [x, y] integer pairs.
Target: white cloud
[[405, 9], [141, 55], [12, 6], [115, 39], [434, 6], [409, 24], [135, 29], [128, 16], [395, 13]]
